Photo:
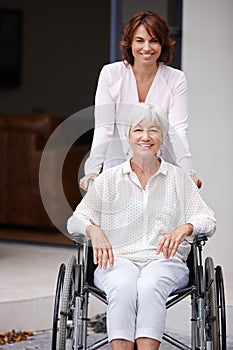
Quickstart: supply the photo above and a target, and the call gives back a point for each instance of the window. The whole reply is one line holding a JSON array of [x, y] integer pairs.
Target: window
[[10, 47]]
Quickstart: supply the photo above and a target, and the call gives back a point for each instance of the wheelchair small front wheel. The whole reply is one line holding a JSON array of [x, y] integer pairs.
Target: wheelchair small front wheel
[[211, 306], [57, 304], [66, 327]]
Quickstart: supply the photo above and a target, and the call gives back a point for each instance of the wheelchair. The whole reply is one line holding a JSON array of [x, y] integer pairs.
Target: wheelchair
[[75, 285]]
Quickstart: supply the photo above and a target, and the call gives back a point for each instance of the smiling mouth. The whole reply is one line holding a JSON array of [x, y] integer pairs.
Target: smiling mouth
[[147, 54], [145, 146]]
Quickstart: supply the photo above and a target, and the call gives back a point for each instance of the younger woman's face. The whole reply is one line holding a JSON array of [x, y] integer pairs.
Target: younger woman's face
[[145, 48]]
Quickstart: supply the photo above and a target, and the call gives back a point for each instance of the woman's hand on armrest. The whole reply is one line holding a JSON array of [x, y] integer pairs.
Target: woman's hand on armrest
[[171, 241], [102, 249]]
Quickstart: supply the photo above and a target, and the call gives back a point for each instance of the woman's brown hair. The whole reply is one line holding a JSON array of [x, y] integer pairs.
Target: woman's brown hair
[[156, 26]]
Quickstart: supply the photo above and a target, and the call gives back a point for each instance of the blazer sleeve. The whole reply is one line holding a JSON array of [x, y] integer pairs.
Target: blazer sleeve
[[178, 119], [104, 122]]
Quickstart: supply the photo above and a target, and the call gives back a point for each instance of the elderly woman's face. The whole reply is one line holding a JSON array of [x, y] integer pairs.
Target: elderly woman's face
[[145, 138]]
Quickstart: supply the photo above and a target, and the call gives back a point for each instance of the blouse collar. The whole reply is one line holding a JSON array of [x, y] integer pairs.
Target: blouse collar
[[162, 169]]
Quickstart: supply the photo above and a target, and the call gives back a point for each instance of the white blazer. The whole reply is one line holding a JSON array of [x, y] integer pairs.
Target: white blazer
[[116, 93]]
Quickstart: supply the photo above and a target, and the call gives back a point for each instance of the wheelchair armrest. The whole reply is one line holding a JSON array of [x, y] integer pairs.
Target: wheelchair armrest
[[80, 238]]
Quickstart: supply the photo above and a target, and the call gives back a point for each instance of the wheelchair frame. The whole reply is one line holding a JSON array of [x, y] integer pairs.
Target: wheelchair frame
[[75, 285]]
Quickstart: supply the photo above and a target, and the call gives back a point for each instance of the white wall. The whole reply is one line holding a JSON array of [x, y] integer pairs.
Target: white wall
[[207, 61]]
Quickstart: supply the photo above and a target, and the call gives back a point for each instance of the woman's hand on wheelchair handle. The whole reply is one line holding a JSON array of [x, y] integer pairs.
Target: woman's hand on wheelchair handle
[[197, 181], [102, 249], [171, 241], [84, 182]]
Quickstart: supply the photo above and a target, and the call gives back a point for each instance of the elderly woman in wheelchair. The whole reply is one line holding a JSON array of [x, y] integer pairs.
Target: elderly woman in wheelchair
[[141, 217]]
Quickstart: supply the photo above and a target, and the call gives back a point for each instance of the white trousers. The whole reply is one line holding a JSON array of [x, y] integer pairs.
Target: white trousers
[[137, 295]]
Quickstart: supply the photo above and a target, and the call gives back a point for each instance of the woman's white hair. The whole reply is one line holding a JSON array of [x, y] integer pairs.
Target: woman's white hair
[[149, 112]]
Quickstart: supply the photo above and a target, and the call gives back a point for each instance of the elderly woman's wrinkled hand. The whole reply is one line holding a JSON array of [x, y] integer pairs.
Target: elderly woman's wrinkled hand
[[171, 241], [102, 249]]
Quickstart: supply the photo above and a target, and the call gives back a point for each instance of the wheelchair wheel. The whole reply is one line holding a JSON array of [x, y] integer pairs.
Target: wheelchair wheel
[[211, 317], [221, 307], [66, 328], [56, 310]]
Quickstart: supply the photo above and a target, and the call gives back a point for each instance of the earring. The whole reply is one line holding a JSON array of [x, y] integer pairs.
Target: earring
[[160, 151]]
